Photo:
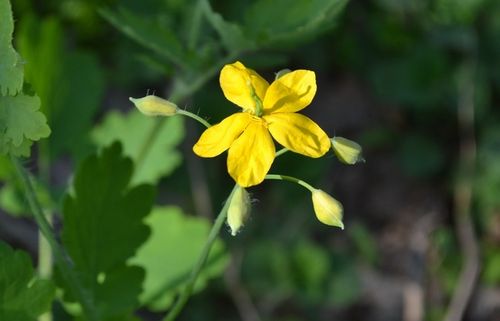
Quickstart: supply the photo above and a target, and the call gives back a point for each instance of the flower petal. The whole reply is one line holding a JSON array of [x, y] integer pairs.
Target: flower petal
[[237, 82], [298, 133], [291, 92], [216, 139], [251, 155]]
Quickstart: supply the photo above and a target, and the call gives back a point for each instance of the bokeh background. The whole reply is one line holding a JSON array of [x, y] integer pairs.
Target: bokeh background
[[415, 82]]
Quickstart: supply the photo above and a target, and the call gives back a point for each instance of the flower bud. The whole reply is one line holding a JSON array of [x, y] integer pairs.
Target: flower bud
[[154, 106], [347, 151], [281, 73], [328, 210], [239, 208]]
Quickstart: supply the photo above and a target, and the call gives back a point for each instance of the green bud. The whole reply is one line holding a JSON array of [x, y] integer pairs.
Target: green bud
[[281, 73], [239, 208], [328, 210], [154, 106], [347, 151]]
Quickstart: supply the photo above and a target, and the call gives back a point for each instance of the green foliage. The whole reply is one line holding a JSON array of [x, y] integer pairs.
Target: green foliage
[[231, 34], [11, 65], [132, 130], [69, 83], [24, 296], [181, 238], [304, 271], [298, 20], [20, 123], [148, 32], [103, 227]]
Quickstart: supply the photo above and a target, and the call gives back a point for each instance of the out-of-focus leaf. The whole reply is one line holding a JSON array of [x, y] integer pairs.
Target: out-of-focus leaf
[[364, 242], [275, 22], [457, 11], [311, 268], [231, 34], [20, 123], [103, 227], [69, 83], [148, 32], [132, 131], [24, 296], [11, 66], [179, 238], [344, 287]]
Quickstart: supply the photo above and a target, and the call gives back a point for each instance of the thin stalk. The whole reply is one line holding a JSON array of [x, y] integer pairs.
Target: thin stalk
[[290, 179], [194, 116], [59, 253], [186, 293]]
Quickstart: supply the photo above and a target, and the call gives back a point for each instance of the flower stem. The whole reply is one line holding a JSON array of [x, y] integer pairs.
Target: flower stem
[[186, 293], [62, 260], [281, 152], [194, 116], [290, 179]]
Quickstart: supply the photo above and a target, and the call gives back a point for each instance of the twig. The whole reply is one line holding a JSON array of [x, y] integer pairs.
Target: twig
[[240, 296], [184, 296], [463, 197]]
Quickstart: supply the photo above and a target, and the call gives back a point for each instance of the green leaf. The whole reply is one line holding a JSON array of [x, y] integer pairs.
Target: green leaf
[[103, 227], [24, 296], [20, 123], [178, 238], [282, 21], [11, 66], [70, 83], [231, 34], [148, 32], [132, 130]]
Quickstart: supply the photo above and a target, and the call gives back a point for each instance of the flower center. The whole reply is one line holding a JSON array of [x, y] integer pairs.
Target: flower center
[[258, 103]]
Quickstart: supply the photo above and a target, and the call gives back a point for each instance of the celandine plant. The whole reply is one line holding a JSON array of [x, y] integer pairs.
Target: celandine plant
[[267, 111]]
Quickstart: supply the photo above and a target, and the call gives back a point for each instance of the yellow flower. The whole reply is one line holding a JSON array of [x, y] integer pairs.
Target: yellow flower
[[268, 111], [328, 210]]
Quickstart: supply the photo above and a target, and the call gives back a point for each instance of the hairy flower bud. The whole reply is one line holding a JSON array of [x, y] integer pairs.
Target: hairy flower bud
[[239, 208], [347, 151], [328, 210], [154, 106]]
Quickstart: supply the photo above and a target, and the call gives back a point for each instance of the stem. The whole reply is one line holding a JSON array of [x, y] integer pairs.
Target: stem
[[290, 179], [194, 116], [184, 296], [281, 151], [194, 28], [61, 258], [463, 196]]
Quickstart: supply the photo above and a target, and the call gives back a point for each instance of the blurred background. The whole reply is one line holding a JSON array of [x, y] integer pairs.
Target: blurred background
[[415, 82]]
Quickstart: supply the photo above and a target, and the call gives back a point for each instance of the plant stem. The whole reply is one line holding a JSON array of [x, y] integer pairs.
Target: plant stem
[[290, 179], [184, 296], [194, 116], [62, 260]]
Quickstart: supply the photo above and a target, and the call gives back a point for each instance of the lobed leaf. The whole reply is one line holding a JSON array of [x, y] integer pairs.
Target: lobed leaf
[[132, 130], [11, 66], [24, 296], [103, 227], [181, 237], [20, 123]]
